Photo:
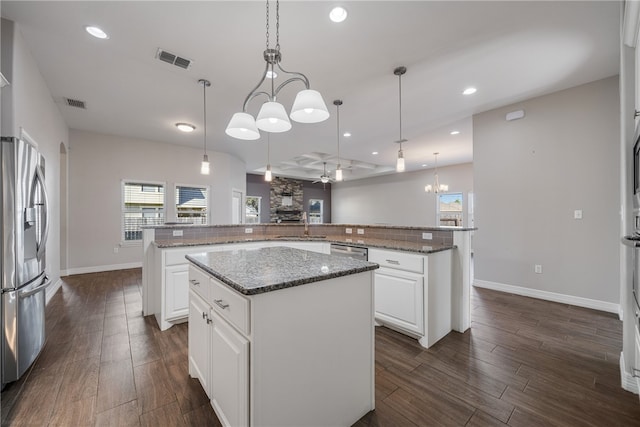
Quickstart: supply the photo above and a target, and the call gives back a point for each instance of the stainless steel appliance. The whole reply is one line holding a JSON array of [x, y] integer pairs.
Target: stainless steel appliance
[[356, 252], [24, 236]]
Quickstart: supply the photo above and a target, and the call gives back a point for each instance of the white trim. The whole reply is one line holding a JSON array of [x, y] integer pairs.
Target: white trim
[[100, 268], [26, 137], [123, 183], [50, 292], [550, 296], [627, 381], [620, 312], [175, 192]]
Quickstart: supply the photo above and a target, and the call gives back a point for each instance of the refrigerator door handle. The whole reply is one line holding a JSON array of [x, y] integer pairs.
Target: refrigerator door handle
[[45, 198], [43, 286]]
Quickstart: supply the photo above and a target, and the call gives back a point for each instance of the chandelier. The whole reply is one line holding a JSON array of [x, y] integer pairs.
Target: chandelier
[[437, 187], [308, 106]]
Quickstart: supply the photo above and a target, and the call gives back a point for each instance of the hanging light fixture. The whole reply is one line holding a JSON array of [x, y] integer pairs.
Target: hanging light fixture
[[338, 103], [267, 173], [437, 187], [204, 167], [308, 106], [399, 71]]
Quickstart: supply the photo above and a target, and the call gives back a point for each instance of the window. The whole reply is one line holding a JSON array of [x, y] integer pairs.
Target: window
[[450, 209], [252, 214], [191, 204], [142, 204], [315, 211]]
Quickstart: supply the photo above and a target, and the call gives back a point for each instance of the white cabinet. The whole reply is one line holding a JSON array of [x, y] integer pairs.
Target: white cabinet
[[176, 300], [199, 340], [229, 373], [413, 293], [399, 299]]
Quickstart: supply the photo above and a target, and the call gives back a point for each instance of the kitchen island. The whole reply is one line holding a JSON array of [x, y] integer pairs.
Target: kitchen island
[[282, 336]]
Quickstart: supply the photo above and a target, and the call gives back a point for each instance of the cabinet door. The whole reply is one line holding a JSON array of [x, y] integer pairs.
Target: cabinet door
[[199, 339], [176, 298], [229, 374], [399, 299]]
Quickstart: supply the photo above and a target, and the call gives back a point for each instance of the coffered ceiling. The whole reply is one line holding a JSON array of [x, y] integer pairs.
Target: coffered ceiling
[[510, 51]]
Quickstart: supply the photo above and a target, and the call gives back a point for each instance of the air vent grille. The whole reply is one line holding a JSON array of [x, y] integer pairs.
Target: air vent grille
[[75, 103], [171, 58]]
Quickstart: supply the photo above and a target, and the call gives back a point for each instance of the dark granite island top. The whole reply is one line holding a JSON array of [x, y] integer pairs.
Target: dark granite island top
[[255, 271]]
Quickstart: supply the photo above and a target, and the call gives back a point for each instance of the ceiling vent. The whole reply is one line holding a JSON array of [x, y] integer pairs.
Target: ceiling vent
[[171, 58], [75, 103]]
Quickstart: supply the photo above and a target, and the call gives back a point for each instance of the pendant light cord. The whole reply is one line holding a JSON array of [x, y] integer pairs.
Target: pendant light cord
[[204, 96], [338, 130], [400, 104], [268, 148]]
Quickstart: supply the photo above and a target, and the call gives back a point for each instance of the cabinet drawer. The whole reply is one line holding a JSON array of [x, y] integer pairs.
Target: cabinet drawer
[[398, 260], [200, 283], [230, 305]]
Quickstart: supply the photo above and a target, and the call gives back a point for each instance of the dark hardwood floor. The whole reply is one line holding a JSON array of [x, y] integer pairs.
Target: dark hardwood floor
[[525, 362]]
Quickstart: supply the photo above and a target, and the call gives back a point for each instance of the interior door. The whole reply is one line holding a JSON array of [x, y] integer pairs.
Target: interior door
[[236, 207]]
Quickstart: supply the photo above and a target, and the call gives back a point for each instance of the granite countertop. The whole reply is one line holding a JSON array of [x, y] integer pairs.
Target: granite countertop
[[256, 271], [400, 245], [171, 225]]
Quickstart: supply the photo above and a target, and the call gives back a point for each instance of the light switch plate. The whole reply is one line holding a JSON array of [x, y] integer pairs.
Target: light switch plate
[[538, 269], [577, 214], [348, 230], [248, 230], [177, 233], [360, 230], [427, 236]]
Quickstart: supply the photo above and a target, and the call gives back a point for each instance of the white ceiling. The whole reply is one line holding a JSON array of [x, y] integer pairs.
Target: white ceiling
[[510, 51]]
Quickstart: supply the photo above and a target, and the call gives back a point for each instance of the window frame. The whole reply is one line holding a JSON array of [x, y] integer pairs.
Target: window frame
[[246, 200], [321, 210], [208, 202], [439, 212], [123, 183]]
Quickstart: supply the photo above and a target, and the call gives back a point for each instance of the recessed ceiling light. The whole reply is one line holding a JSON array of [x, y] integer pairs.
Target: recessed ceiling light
[[424, 165], [346, 134], [455, 132], [185, 127], [338, 14], [96, 32], [375, 153], [271, 74], [469, 91]]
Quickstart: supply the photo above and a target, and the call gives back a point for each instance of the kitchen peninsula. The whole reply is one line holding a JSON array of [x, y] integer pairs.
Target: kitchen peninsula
[[432, 266], [282, 336]]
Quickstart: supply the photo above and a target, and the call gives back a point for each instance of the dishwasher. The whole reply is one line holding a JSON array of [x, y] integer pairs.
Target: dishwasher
[[355, 252]]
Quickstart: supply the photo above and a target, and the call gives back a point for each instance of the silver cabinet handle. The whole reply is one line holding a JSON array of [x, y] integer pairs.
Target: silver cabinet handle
[[195, 282], [220, 303], [393, 261]]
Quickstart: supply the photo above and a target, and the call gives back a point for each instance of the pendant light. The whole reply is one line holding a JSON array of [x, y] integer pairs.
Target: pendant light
[[399, 71], [204, 167], [437, 187], [267, 173], [338, 103], [308, 106]]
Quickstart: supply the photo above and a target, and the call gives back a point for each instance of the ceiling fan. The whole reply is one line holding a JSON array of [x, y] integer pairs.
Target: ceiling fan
[[325, 177]]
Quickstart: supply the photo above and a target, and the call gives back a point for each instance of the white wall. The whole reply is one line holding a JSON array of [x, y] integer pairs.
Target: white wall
[[35, 112], [397, 199], [529, 177], [98, 164]]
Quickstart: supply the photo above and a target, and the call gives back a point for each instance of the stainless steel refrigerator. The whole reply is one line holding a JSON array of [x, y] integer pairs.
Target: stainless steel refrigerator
[[24, 231]]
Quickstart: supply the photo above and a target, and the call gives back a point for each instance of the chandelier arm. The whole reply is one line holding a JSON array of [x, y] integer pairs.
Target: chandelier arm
[[283, 84], [253, 92], [294, 73]]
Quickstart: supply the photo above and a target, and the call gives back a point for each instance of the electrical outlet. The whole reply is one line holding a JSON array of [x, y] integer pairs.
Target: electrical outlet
[[248, 230], [115, 249], [577, 214], [177, 233], [538, 269], [348, 231], [427, 236], [360, 230]]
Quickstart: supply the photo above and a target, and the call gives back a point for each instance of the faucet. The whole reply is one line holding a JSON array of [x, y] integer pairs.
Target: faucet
[[306, 224]]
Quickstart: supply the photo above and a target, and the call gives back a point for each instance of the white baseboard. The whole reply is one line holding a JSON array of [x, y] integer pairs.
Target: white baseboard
[[51, 290], [627, 380], [100, 268], [551, 296]]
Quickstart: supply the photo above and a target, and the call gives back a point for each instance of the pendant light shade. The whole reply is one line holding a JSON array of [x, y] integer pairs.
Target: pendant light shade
[[309, 107], [338, 173], [267, 174], [400, 161], [204, 167], [243, 126], [273, 118]]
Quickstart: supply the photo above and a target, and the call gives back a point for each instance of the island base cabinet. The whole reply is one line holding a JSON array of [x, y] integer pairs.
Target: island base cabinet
[[229, 374], [399, 299], [199, 340]]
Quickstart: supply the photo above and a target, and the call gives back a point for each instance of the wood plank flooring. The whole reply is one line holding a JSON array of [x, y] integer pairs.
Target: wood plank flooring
[[525, 362]]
